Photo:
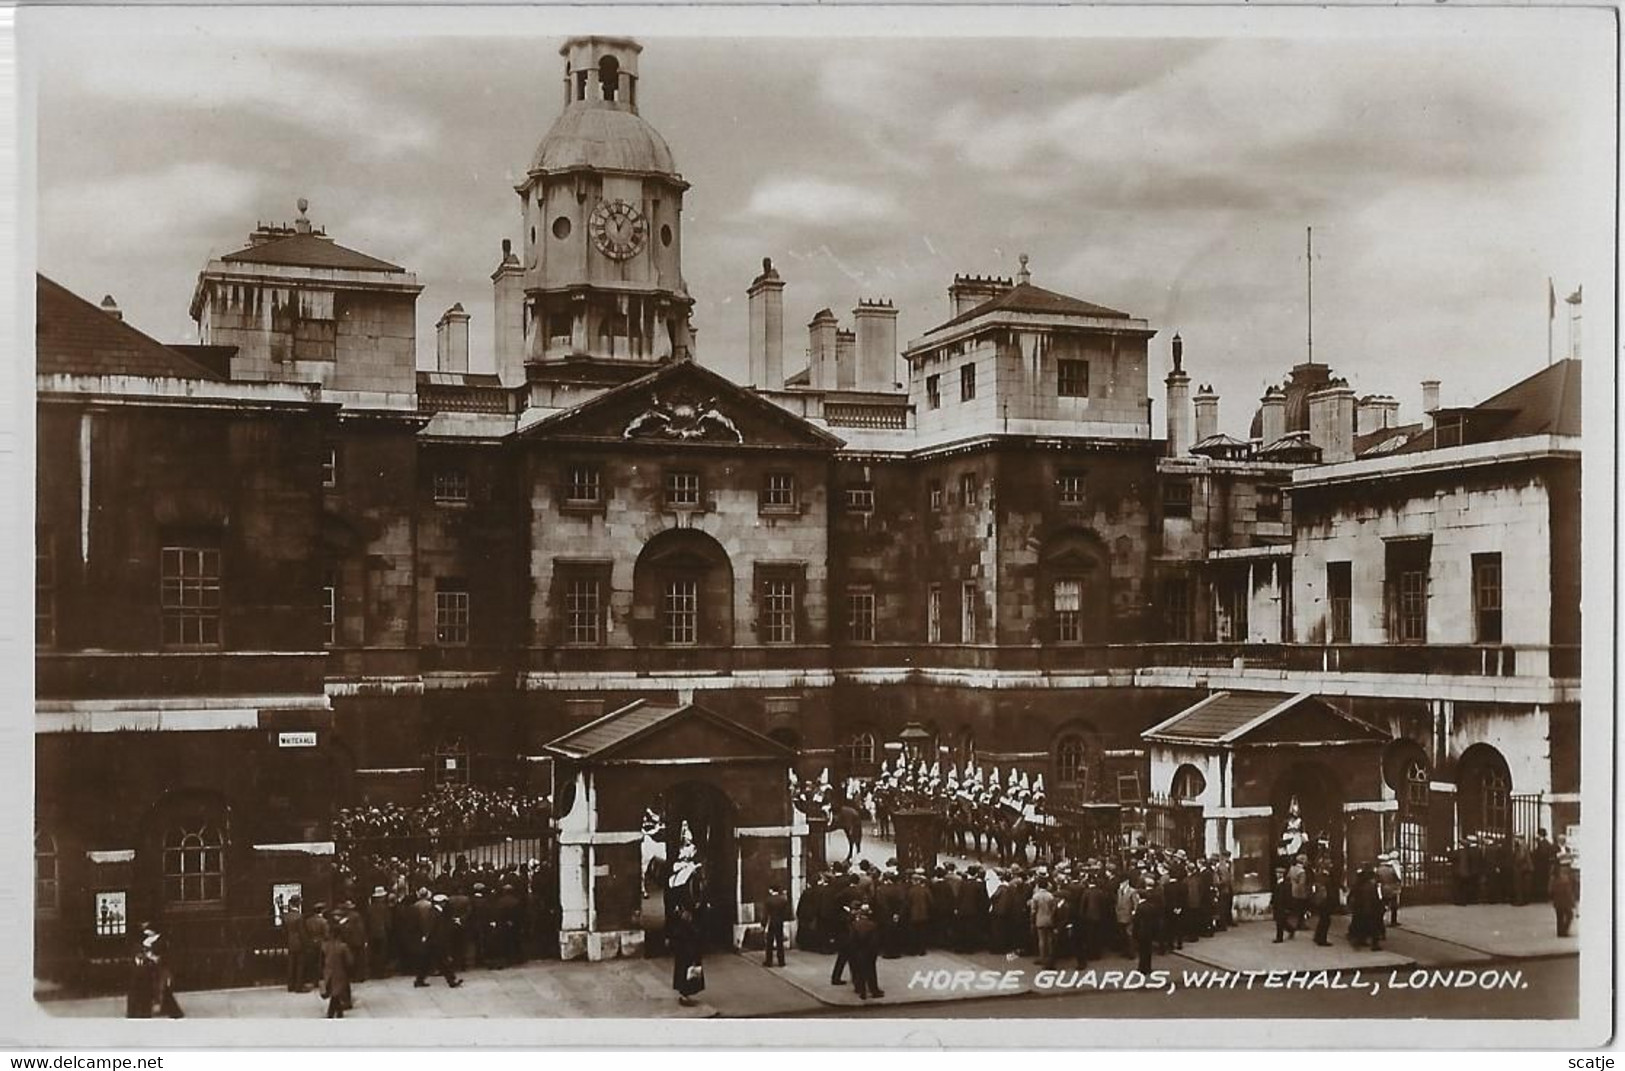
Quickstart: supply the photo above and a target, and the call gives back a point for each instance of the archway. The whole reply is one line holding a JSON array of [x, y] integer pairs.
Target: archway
[[682, 590], [1307, 804], [1484, 793], [700, 814], [1075, 587]]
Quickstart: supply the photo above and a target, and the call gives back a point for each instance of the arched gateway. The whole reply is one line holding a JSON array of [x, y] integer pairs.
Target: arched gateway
[[647, 782]]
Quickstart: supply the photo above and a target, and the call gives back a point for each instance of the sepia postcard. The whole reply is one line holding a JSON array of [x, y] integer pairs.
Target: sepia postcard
[[815, 526]]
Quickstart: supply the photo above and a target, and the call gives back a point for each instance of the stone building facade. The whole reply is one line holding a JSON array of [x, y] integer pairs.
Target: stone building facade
[[325, 576]]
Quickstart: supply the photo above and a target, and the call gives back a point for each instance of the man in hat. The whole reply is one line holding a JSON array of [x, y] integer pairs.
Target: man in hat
[[433, 924], [1148, 914], [1542, 853], [863, 949], [380, 916], [293, 932], [1041, 909], [971, 910], [775, 913], [1388, 884]]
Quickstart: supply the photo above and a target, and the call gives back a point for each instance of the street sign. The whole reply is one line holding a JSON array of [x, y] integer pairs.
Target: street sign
[[295, 739]]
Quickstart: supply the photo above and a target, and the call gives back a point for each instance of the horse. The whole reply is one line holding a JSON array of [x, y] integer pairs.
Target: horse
[[849, 820]]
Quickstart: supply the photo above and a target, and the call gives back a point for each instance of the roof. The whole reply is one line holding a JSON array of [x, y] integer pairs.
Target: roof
[[1220, 444], [1221, 716], [1384, 440], [612, 729], [593, 134], [74, 337], [309, 251], [639, 719], [1546, 403], [1227, 717], [1025, 297]]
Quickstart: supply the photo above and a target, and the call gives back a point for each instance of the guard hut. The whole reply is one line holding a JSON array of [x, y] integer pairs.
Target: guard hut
[[635, 786], [1263, 765]]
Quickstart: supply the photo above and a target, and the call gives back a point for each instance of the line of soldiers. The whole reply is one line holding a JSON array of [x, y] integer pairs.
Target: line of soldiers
[[1148, 901]]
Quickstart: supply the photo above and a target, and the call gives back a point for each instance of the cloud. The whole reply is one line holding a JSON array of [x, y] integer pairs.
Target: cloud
[[255, 84], [819, 202]]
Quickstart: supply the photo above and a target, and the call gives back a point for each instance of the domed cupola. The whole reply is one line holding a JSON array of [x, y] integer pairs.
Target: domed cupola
[[602, 221]]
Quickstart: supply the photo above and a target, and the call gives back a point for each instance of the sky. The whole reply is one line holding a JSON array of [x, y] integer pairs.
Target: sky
[[1450, 162]]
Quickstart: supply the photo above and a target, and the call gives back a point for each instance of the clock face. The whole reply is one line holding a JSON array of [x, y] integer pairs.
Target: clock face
[[618, 229]]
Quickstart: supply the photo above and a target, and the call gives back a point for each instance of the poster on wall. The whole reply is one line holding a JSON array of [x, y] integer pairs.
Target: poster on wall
[[281, 895], [112, 913]]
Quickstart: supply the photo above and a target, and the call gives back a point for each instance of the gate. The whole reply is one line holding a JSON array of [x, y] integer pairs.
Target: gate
[[367, 862], [1526, 816], [1170, 824]]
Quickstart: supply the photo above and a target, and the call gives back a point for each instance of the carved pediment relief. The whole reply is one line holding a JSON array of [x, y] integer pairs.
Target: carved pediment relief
[[682, 418]]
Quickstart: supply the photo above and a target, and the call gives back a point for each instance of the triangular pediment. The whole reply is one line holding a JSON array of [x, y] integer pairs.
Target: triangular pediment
[[1313, 721], [684, 404], [647, 732]]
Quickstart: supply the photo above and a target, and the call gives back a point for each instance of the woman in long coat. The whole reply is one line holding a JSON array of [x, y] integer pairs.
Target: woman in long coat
[[337, 959], [142, 991], [685, 908]]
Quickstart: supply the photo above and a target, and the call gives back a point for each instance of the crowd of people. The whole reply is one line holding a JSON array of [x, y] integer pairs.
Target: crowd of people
[[1151, 901], [447, 809], [422, 920]]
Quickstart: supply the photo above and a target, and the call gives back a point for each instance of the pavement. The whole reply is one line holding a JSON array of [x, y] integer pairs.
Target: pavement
[[739, 986]]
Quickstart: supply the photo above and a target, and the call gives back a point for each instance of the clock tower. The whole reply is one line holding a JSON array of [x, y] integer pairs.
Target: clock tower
[[600, 258]]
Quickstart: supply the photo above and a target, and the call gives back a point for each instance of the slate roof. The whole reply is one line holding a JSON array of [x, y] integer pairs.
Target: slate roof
[[613, 729], [1025, 297], [1226, 718], [74, 337], [641, 718], [309, 251], [1546, 403], [591, 135], [1385, 440], [1221, 715]]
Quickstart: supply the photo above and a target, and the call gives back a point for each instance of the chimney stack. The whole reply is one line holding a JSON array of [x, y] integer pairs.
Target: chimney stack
[[846, 359], [766, 296], [110, 307], [1179, 403], [1331, 421], [821, 331], [1206, 404], [508, 318], [876, 324], [1272, 408], [970, 291], [451, 340], [1375, 412], [1430, 400]]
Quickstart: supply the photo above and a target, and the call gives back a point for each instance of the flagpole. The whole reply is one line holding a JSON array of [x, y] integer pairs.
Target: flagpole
[[1551, 317]]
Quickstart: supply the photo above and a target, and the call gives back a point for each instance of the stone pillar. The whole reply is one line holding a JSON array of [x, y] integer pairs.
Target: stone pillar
[[575, 872]]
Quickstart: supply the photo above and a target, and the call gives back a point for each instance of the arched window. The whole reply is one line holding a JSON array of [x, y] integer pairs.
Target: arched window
[[1414, 797], [1071, 764], [1496, 794], [861, 753], [47, 884], [451, 762], [1188, 784], [194, 865], [609, 76]]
